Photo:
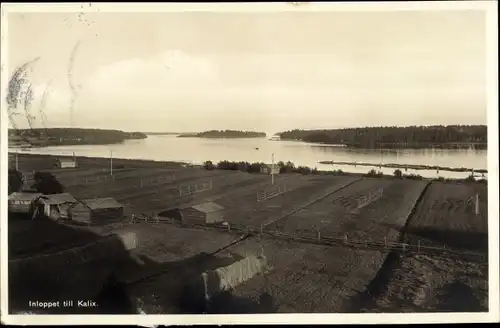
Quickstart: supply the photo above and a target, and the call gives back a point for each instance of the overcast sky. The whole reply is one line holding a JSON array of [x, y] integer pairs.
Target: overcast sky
[[255, 71]]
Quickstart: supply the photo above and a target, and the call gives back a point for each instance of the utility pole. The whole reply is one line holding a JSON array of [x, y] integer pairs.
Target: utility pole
[[272, 168], [477, 204], [111, 161]]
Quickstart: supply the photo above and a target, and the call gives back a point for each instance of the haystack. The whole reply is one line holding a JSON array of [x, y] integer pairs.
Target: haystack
[[229, 277]]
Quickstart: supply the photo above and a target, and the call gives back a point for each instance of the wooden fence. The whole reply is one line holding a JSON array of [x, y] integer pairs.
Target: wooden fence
[[187, 190], [319, 239], [268, 194]]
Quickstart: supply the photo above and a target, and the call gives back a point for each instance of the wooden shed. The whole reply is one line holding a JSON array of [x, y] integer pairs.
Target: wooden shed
[[207, 213], [96, 211], [22, 202], [54, 206], [64, 163]]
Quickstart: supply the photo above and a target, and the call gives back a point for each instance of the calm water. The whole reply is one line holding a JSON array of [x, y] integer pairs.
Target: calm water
[[196, 150]]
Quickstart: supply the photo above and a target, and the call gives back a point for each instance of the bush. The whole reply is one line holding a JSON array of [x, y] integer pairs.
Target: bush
[[208, 165], [46, 183], [439, 179], [413, 176], [470, 178], [398, 174], [374, 174], [16, 181], [303, 170]]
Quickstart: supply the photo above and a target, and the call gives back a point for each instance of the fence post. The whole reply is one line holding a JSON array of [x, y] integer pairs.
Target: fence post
[[404, 247], [385, 242], [418, 247], [345, 239], [261, 228], [133, 218], [319, 235]]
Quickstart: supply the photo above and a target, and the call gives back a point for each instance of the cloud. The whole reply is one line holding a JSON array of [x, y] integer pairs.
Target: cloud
[[155, 75]]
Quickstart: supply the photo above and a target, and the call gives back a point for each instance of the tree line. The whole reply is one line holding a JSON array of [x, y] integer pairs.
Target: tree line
[[225, 134], [73, 136], [289, 167], [436, 136], [44, 182]]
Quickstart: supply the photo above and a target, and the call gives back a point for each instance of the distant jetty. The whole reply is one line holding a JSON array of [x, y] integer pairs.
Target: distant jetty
[[408, 166], [219, 134]]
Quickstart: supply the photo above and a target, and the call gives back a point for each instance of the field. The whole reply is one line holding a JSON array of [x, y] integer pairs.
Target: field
[[306, 278], [244, 210], [338, 215], [447, 216], [303, 276], [423, 283]]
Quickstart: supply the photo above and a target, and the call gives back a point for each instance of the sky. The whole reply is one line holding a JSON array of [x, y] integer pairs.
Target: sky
[[270, 72]]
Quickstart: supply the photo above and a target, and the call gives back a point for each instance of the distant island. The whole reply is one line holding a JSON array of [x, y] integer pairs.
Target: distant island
[[69, 136], [224, 134], [167, 133], [412, 137]]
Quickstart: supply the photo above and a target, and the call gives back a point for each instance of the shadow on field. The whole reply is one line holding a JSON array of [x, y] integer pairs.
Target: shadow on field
[[108, 281], [462, 240], [458, 297], [474, 241]]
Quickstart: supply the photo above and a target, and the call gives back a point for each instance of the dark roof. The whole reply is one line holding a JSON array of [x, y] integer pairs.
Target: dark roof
[[99, 203], [57, 199]]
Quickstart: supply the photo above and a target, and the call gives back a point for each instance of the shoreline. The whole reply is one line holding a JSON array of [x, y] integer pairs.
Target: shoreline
[[103, 162], [408, 166]]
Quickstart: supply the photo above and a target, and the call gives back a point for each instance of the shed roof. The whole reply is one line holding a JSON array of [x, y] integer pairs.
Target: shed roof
[[57, 199], [100, 203], [208, 207], [66, 159], [24, 195]]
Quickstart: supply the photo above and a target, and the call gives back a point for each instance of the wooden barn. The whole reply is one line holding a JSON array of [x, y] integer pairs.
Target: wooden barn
[[64, 163], [54, 206], [96, 211], [207, 213], [22, 202]]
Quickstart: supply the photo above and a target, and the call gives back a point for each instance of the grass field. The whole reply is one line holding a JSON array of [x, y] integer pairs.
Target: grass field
[[244, 210], [308, 278], [422, 283], [446, 215], [337, 214]]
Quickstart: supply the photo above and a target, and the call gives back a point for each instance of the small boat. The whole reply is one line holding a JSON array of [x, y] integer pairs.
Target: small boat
[[256, 148]]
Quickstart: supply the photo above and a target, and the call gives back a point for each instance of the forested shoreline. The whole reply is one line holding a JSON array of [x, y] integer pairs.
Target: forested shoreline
[[224, 134], [70, 136], [436, 136]]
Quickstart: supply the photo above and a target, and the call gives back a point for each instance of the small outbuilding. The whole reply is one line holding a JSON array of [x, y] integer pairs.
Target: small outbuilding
[[64, 163], [206, 213], [96, 211], [54, 206], [269, 169], [22, 202]]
